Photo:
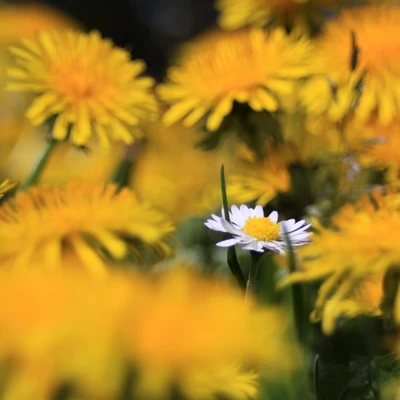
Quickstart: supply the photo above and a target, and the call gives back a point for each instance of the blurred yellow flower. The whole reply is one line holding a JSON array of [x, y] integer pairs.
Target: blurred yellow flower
[[6, 186], [84, 95], [176, 330], [45, 227], [365, 80], [253, 67], [200, 335], [236, 14], [27, 20], [177, 177], [351, 257], [62, 328], [20, 21], [260, 180]]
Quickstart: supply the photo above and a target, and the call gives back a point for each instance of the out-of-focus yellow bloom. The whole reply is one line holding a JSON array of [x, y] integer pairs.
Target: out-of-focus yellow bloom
[[62, 328], [178, 330], [238, 13], [175, 176], [365, 80], [27, 20], [361, 246], [253, 67], [6, 186], [20, 21], [47, 227], [201, 336], [84, 95], [375, 143], [260, 180]]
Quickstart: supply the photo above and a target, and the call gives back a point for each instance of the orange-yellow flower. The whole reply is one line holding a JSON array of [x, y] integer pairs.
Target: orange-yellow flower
[[47, 227], [254, 67], [86, 84]]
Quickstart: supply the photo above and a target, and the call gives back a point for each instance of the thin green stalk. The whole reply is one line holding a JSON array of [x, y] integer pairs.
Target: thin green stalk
[[251, 281], [233, 262], [41, 162]]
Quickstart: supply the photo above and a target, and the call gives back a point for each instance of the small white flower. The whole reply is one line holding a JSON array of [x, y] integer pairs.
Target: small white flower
[[255, 232]]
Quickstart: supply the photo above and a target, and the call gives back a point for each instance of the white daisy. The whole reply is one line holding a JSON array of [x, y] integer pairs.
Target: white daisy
[[255, 232]]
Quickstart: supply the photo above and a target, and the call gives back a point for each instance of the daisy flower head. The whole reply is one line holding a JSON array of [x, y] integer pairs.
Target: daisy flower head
[[252, 67], [83, 95], [255, 232]]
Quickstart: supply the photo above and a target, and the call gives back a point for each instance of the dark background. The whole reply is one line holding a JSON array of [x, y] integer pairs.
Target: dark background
[[150, 29]]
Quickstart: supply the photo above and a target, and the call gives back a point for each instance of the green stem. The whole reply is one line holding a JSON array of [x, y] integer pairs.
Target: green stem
[[252, 278], [41, 162]]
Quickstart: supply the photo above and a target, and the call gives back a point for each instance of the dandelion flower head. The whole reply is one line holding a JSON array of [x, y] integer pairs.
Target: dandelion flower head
[[45, 227], [84, 96], [253, 67], [253, 231], [180, 336], [62, 327], [361, 245], [364, 78], [260, 180]]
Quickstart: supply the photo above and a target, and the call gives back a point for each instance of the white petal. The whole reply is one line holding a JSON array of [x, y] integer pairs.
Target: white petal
[[273, 216], [244, 210], [215, 226], [276, 248], [236, 217], [229, 242], [254, 245], [229, 227], [259, 212]]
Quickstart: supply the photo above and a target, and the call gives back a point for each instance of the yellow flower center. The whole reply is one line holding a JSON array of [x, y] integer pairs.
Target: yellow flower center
[[262, 229]]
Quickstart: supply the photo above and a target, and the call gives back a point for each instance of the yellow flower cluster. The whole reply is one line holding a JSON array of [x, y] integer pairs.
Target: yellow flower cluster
[[151, 335], [352, 257], [87, 223], [254, 67]]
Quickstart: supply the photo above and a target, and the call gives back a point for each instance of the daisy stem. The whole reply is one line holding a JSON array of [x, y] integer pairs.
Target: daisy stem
[[252, 278], [40, 163]]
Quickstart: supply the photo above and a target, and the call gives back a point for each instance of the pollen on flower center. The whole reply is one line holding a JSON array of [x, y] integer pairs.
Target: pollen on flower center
[[262, 229]]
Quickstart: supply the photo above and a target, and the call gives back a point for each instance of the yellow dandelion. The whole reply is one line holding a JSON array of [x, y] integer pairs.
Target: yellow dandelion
[[6, 186], [82, 94], [360, 247], [260, 180], [375, 144], [236, 14], [371, 70], [253, 67], [200, 335], [45, 227], [59, 328]]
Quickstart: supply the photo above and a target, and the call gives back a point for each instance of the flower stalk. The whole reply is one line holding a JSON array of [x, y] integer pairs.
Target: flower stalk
[[40, 163], [252, 278]]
